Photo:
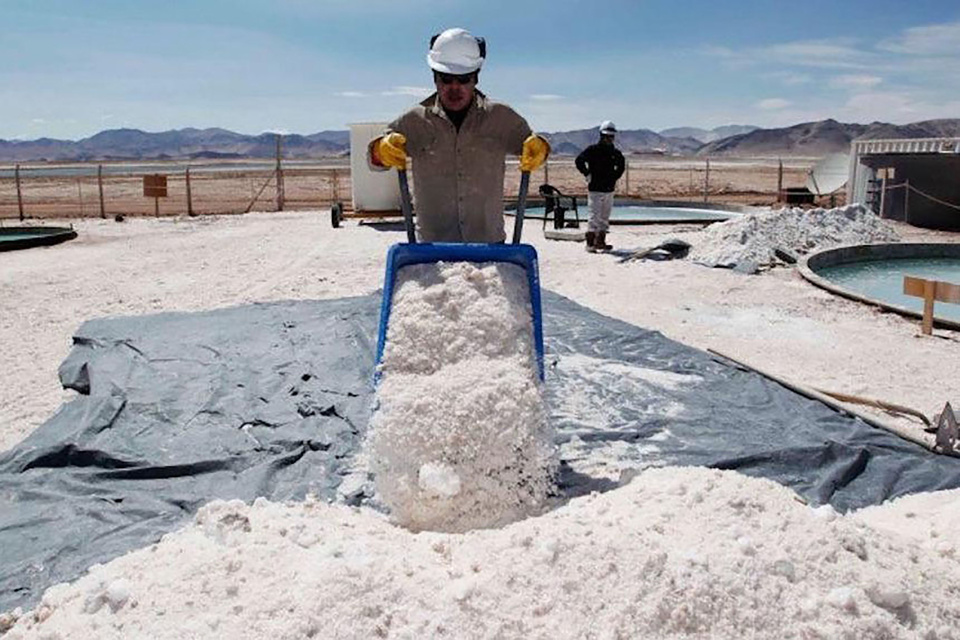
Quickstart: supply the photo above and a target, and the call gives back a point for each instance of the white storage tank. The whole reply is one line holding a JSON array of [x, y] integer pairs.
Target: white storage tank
[[373, 191]]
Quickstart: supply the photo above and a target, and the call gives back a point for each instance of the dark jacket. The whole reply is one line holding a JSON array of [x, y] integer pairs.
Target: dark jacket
[[603, 163]]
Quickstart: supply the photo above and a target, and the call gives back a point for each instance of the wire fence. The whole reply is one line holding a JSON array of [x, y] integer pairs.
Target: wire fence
[[107, 190]]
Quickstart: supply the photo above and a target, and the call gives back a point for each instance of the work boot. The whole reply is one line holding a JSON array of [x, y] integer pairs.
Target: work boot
[[591, 242], [601, 242]]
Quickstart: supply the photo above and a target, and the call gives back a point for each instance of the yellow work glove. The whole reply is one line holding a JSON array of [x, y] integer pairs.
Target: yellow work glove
[[392, 150], [535, 152]]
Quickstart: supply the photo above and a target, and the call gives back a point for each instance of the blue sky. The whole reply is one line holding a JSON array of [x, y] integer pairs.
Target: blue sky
[[72, 68]]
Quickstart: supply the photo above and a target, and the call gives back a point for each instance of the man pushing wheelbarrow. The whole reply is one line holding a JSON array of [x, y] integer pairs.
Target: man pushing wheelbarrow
[[458, 140]]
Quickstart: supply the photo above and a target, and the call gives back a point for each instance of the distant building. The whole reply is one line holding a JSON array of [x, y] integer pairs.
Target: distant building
[[914, 180]]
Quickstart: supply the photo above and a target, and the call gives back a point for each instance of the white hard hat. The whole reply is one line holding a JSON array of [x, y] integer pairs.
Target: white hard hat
[[456, 51], [607, 128]]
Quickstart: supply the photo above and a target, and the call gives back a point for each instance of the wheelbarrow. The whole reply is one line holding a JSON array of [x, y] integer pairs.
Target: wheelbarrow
[[412, 252]]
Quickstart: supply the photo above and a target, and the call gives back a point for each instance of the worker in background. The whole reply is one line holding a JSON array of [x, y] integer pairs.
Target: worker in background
[[458, 140], [602, 164]]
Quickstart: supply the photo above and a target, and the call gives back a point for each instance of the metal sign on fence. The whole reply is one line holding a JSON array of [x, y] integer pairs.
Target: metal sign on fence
[[155, 186]]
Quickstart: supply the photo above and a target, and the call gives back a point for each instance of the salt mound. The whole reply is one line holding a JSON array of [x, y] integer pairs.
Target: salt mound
[[460, 439], [753, 238], [677, 553]]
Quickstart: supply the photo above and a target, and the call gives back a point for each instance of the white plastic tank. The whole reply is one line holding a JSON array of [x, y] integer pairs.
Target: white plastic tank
[[372, 190]]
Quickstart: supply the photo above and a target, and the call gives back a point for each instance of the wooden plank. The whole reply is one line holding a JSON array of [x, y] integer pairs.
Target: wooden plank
[[948, 292], [929, 288], [943, 292], [913, 286]]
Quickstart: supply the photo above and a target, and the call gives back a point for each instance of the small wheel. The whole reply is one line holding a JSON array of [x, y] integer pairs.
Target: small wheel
[[336, 215]]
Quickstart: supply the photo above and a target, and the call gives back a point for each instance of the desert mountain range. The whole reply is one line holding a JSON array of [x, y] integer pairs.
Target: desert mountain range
[[808, 139]]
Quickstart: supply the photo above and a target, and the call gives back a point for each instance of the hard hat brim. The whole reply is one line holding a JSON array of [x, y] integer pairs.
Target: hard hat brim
[[455, 69]]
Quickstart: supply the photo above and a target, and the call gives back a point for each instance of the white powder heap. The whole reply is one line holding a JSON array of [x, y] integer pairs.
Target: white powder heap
[[753, 237], [677, 553], [459, 438]]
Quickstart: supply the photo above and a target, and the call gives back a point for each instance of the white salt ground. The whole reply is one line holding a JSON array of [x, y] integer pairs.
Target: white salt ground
[[212, 581], [459, 438], [754, 237], [676, 553]]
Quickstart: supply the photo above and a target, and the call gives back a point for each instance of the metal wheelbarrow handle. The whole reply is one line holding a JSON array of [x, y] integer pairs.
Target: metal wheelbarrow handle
[[521, 206], [406, 206]]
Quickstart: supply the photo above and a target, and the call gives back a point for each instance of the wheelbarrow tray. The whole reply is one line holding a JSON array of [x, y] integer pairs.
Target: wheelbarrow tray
[[404, 254]]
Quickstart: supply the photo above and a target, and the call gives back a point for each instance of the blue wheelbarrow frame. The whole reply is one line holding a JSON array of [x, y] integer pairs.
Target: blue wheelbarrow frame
[[413, 252]]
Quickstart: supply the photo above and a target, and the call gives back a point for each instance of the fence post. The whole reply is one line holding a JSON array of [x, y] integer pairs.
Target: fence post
[[780, 180], [80, 196], [883, 194], [706, 182], [626, 174], [103, 211], [16, 173], [189, 196], [546, 170], [906, 201], [279, 177]]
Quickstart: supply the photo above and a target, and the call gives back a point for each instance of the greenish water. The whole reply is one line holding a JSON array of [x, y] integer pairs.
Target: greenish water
[[883, 280], [638, 212], [11, 237]]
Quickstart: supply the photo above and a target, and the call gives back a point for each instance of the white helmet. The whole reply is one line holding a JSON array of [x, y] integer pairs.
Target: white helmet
[[607, 128], [456, 51]]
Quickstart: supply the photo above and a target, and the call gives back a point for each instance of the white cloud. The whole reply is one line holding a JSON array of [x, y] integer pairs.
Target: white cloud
[[350, 94], [773, 103], [793, 79], [826, 54], [855, 81], [840, 53], [545, 97], [417, 92], [929, 40], [38, 121]]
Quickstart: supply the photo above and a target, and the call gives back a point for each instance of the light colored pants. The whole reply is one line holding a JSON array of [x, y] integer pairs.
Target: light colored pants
[[600, 205]]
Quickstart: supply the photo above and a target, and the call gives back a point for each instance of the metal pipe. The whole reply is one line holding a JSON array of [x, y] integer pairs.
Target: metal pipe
[[521, 206], [406, 205]]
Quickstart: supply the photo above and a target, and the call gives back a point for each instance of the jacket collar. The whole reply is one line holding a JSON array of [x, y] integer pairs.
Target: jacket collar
[[433, 105]]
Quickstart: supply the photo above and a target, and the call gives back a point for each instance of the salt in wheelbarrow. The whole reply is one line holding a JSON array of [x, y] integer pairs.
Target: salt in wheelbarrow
[[413, 252]]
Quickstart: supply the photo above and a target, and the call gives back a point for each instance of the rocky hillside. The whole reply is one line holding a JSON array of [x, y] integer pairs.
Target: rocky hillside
[[704, 135], [133, 144], [821, 138], [808, 139], [629, 141]]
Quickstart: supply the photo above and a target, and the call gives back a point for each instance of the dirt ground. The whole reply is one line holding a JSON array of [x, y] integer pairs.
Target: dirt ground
[[46, 192]]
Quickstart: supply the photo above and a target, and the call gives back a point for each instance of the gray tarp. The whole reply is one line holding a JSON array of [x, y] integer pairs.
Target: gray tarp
[[272, 400]]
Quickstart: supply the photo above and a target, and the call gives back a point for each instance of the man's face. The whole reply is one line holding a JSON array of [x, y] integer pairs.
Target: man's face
[[456, 92]]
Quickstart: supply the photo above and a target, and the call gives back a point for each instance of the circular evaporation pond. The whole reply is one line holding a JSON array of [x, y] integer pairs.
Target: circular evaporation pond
[[25, 237], [874, 274], [639, 214], [883, 280]]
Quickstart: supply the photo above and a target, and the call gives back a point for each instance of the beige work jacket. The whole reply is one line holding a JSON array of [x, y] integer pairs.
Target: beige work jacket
[[458, 175]]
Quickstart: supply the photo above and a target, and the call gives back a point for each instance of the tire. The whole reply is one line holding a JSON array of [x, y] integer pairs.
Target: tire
[[336, 215]]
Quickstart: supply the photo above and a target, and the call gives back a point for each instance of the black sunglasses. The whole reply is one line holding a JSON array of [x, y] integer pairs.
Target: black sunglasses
[[450, 78]]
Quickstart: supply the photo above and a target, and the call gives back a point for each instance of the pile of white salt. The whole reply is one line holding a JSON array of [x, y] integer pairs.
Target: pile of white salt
[[755, 237], [459, 439], [677, 553]]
